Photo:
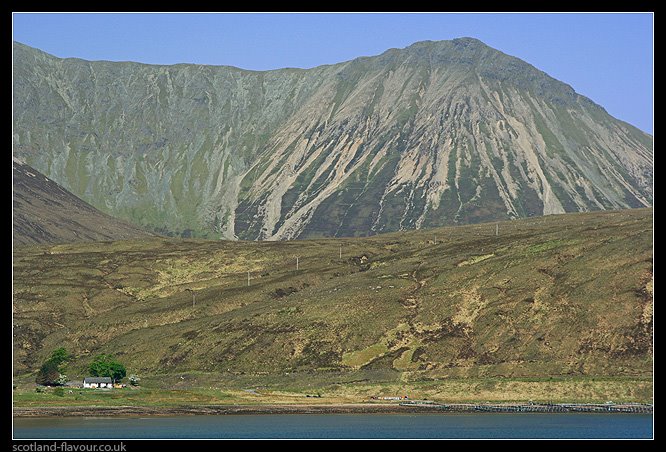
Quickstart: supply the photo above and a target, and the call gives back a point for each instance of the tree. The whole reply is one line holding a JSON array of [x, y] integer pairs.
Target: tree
[[118, 371], [59, 356], [48, 374], [106, 366]]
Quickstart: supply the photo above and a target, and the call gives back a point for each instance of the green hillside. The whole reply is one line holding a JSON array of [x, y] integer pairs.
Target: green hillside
[[563, 297]]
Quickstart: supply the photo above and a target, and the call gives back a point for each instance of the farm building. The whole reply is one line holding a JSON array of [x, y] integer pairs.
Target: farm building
[[97, 382]]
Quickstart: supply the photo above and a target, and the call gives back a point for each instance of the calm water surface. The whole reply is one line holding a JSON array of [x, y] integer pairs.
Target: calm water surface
[[481, 425]]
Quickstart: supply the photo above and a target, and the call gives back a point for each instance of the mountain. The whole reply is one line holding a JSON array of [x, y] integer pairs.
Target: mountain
[[549, 297], [44, 212], [438, 133]]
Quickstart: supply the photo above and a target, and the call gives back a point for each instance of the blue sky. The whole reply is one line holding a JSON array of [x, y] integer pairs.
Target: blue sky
[[607, 57]]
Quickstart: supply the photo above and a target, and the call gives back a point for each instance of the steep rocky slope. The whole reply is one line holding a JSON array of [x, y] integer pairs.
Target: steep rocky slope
[[44, 212], [434, 134]]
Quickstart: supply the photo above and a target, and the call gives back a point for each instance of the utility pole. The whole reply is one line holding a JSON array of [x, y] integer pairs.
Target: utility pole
[[497, 229], [248, 278], [194, 296], [435, 239], [296, 262], [340, 251]]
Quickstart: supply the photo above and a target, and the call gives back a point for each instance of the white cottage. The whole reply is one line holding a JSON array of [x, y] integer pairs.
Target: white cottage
[[97, 382]]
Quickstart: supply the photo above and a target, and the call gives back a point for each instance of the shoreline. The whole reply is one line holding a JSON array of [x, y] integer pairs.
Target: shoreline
[[355, 408]]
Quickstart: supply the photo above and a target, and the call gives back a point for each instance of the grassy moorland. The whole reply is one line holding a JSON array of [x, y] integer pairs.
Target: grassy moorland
[[554, 308]]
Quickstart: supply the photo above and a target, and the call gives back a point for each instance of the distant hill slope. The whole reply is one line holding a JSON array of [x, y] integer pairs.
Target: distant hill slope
[[44, 212], [438, 133], [566, 295]]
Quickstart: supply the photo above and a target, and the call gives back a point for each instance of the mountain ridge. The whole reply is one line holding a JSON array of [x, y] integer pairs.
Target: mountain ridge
[[425, 43], [370, 145]]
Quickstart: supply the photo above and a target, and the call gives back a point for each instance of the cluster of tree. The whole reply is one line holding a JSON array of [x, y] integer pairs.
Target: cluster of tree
[[107, 366], [49, 373], [104, 365]]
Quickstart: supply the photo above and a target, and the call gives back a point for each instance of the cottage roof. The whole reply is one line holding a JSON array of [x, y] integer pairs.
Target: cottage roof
[[97, 380]]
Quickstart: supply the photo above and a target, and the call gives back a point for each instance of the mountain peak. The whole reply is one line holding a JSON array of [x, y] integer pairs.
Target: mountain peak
[[456, 42], [462, 41], [466, 51], [467, 40], [452, 45]]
